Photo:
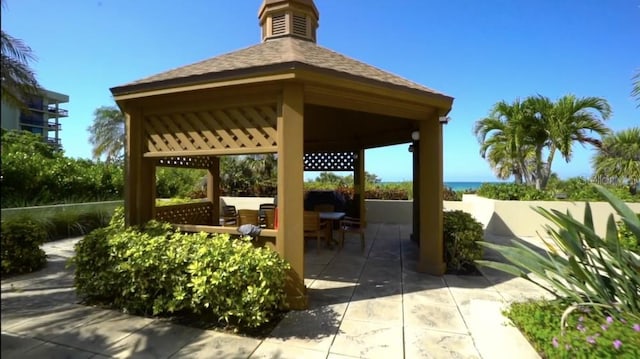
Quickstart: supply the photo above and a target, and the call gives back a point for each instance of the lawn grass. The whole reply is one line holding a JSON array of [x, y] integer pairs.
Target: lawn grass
[[588, 334]]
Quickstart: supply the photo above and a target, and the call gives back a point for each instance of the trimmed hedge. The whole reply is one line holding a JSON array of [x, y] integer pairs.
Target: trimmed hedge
[[461, 234], [21, 240], [156, 270]]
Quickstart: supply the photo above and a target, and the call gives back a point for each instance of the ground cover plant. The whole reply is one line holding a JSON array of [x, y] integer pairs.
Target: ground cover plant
[[156, 270], [596, 282]]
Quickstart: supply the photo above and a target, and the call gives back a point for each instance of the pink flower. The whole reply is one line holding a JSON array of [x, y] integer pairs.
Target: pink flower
[[591, 340], [604, 327], [581, 327], [609, 319], [555, 342], [617, 344], [636, 327]]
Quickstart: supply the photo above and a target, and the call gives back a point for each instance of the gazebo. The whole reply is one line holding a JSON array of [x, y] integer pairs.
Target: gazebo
[[313, 107]]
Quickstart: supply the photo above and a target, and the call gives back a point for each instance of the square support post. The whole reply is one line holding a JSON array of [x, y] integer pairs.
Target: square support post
[[358, 187], [430, 187], [140, 180], [290, 237], [213, 189]]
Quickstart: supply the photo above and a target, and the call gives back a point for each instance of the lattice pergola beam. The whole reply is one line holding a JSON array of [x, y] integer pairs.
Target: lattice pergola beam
[[200, 162], [330, 161]]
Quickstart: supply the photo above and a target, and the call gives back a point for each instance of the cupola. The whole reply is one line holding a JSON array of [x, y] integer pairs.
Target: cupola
[[281, 18]]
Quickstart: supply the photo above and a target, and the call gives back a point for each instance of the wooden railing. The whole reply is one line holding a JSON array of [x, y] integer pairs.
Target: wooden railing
[[186, 213]]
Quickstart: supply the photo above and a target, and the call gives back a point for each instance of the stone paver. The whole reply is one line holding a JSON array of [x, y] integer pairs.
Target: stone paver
[[371, 305]]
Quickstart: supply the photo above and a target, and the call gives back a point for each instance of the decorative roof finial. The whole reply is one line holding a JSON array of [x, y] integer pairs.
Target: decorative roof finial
[[280, 18]]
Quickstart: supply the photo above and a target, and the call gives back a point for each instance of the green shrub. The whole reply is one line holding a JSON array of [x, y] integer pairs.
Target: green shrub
[[512, 192], [448, 194], [157, 270], [21, 240], [461, 235], [626, 237]]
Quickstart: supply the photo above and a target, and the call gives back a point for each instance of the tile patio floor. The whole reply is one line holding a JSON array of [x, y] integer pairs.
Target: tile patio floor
[[371, 305]]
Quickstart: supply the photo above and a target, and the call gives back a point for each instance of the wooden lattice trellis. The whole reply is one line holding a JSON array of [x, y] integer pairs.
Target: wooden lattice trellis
[[227, 129], [329, 161], [188, 213], [203, 162]]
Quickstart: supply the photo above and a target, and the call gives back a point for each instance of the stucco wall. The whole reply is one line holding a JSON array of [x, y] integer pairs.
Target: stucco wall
[[504, 218], [245, 202]]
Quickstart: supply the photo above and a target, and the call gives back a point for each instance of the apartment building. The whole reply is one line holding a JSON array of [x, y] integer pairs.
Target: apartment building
[[43, 117]]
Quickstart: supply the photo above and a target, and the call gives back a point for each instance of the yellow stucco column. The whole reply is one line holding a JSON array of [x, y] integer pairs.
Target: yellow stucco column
[[290, 237], [430, 173], [213, 189]]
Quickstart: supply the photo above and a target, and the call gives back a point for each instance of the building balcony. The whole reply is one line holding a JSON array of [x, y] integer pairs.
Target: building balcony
[[54, 141], [33, 122], [59, 111], [54, 126]]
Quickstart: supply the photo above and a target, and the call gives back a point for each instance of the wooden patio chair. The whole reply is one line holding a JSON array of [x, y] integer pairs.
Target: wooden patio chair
[[262, 213], [314, 227], [247, 216], [351, 225], [229, 215], [270, 218]]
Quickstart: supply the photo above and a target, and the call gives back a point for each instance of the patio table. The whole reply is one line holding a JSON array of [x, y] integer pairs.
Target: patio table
[[331, 217]]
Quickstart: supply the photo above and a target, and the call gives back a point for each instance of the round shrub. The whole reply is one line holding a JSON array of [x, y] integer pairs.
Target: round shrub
[[461, 234], [157, 270], [21, 240]]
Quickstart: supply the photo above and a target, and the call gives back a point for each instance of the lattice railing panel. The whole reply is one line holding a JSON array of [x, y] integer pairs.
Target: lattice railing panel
[[228, 128], [187, 213], [329, 161], [203, 162]]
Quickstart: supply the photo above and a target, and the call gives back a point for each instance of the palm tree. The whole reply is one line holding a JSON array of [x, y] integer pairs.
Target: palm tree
[[557, 125], [107, 133], [635, 92], [618, 159], [503, 140], [18, 79]]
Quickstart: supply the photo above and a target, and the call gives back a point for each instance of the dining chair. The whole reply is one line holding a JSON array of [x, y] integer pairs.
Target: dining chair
[[314, 227], [229, 215], [270, 218], [262, 219], [351, 225], [247, 216]]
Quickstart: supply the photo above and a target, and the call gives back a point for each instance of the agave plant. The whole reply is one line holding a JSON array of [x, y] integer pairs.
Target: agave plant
[[580, 265]]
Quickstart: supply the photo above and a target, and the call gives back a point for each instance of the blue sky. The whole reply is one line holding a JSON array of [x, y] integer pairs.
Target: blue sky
[[479, 52]]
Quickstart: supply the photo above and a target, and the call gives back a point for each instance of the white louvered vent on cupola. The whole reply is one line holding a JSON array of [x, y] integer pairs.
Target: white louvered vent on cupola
[[279, 18]]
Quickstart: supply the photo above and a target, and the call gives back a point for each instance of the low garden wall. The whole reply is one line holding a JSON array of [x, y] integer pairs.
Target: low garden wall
[[44, 211], [502, 218]]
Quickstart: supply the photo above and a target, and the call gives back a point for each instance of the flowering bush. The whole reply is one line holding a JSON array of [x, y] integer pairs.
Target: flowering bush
[[587, 334]]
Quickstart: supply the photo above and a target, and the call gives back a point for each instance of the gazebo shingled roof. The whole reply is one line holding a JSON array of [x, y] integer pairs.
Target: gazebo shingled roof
[[273, 55], [288, 95]]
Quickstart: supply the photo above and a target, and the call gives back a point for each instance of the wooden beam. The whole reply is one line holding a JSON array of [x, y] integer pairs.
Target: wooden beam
[[214, 152], [290, 239], [133, 162], [220, 229]]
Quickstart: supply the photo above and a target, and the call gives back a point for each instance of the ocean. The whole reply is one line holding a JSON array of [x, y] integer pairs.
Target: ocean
[[461, 186]]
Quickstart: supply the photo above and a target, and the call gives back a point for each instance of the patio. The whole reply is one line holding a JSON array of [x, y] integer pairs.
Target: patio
[[369, 306]]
